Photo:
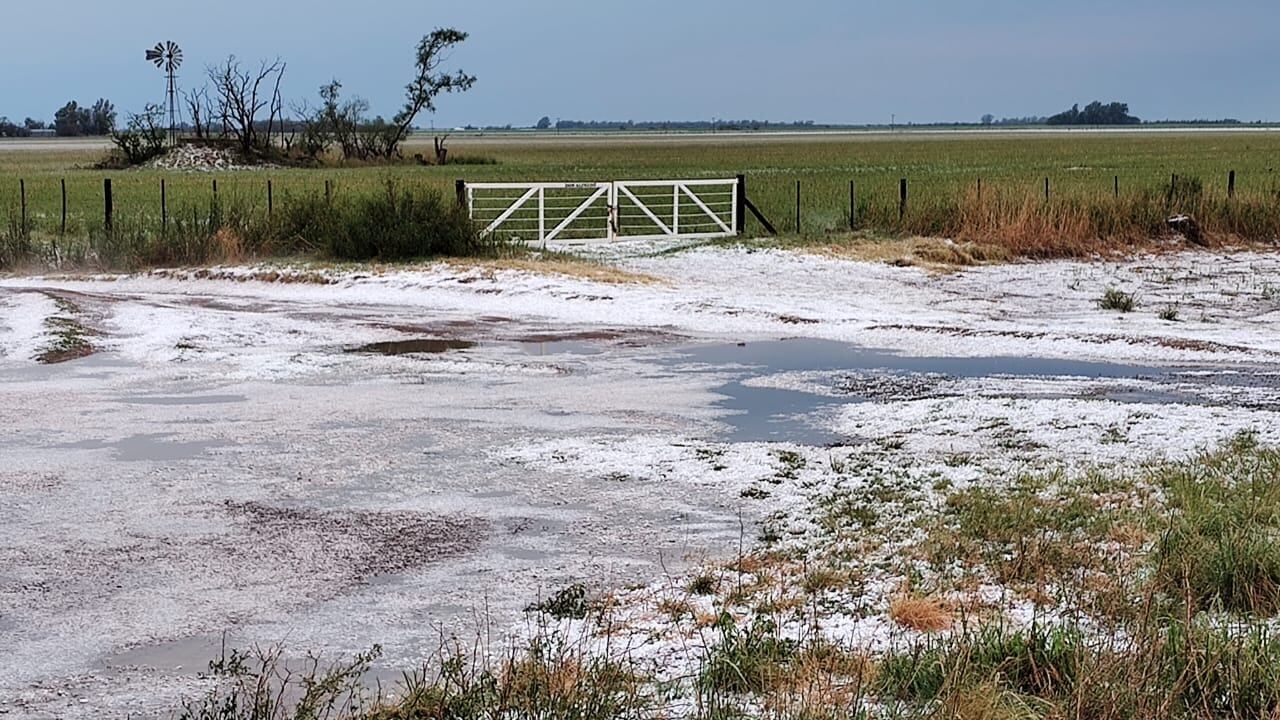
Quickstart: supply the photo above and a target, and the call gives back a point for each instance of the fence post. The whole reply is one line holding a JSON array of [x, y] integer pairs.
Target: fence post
[[328, 194], [1231, 184], [22, 193], [1117, 186], [271, 205], [740, 203], [853, 205], [460, 190], [979, 190], [107, 205], [164, 207], [902, 198], [215, 189], [64, 206], [797, 207], [1046, 189], [1173, 187]]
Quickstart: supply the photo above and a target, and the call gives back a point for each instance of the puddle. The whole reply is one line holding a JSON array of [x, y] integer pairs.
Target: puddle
[[153, 448], [525, 554], [186, 656], [421, 346], [183, 399], [764, 414], [560, 347]]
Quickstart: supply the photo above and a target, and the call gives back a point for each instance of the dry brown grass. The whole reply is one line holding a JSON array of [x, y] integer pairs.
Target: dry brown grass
[[228, 246], [925, 614], [935, 254], [820, 682]]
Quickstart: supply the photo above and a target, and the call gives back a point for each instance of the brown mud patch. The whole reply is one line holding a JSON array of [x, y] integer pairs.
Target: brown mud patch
[[344, 548]]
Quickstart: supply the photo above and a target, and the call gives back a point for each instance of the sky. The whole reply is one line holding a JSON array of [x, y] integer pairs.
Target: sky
[[829, 61]]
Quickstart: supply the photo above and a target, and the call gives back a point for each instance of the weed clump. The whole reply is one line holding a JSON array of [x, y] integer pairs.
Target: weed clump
[[568, 603], [1118, 300]]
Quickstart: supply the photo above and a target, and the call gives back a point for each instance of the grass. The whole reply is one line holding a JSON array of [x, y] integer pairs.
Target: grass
[[1118, 300], [1166, 581], [1219, 548], [924, 614], [1009, 217], [68, 337], [397, 223]]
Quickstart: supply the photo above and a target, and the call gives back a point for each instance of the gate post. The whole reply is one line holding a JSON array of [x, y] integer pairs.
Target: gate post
[[740, 207], [460, 187]]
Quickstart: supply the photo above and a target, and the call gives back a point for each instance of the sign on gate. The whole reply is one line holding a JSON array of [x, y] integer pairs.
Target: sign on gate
[[608, 211]]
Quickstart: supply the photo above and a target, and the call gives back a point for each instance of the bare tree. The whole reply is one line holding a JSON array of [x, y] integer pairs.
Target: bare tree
[[199, 106], [428, 84], [242, 95]]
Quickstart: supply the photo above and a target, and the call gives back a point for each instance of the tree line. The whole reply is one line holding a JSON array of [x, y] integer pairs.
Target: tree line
[[71, 120]]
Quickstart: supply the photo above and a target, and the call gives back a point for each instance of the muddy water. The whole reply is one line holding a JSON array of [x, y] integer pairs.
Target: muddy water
[[420, 346], [856, 374]]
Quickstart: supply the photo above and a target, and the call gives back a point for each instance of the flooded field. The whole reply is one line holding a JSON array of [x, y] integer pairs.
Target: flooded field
[[382, 459]]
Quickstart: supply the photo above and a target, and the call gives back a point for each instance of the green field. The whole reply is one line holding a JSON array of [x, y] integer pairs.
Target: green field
[[943, 170]]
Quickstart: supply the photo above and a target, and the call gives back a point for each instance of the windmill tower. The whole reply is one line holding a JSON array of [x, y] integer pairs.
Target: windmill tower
[[168, 57]]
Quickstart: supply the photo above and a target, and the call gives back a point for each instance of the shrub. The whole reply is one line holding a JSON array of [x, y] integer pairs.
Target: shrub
[[143, 138], [399, 224]]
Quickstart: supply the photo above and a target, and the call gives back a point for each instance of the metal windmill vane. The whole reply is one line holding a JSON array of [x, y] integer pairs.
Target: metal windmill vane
[[168, 57]]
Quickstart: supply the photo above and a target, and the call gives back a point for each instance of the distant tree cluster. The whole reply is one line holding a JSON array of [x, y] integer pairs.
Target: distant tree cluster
[[991, 120], [10, 129], [1095, 113], [72, 120]]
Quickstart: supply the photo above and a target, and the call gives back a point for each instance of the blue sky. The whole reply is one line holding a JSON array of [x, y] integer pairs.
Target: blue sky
[[822, 60]]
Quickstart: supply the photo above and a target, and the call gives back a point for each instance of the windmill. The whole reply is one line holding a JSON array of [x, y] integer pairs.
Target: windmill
[[168, 57]]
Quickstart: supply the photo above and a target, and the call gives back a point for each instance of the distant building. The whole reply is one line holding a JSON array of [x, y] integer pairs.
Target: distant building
[[44, 133]]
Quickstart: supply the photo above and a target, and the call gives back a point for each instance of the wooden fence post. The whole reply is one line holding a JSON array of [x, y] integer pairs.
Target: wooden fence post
[[164, 207], [740, 204], [64, 206], [1117, 186], [460, 191], [1046, 189], [902, 198], [1231, 184], [979, 190], [107, 204], [22, 194], [1173, 187], [271, 206], [328, 194], [215, 189]]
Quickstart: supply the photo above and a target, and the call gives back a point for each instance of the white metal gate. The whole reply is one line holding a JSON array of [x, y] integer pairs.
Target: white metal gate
[[607, 211]]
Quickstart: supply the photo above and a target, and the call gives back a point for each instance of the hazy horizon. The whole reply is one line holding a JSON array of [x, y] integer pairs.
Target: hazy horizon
[[824, 61]]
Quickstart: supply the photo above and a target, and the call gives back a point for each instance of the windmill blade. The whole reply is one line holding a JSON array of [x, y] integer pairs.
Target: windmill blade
[[173, 55]]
